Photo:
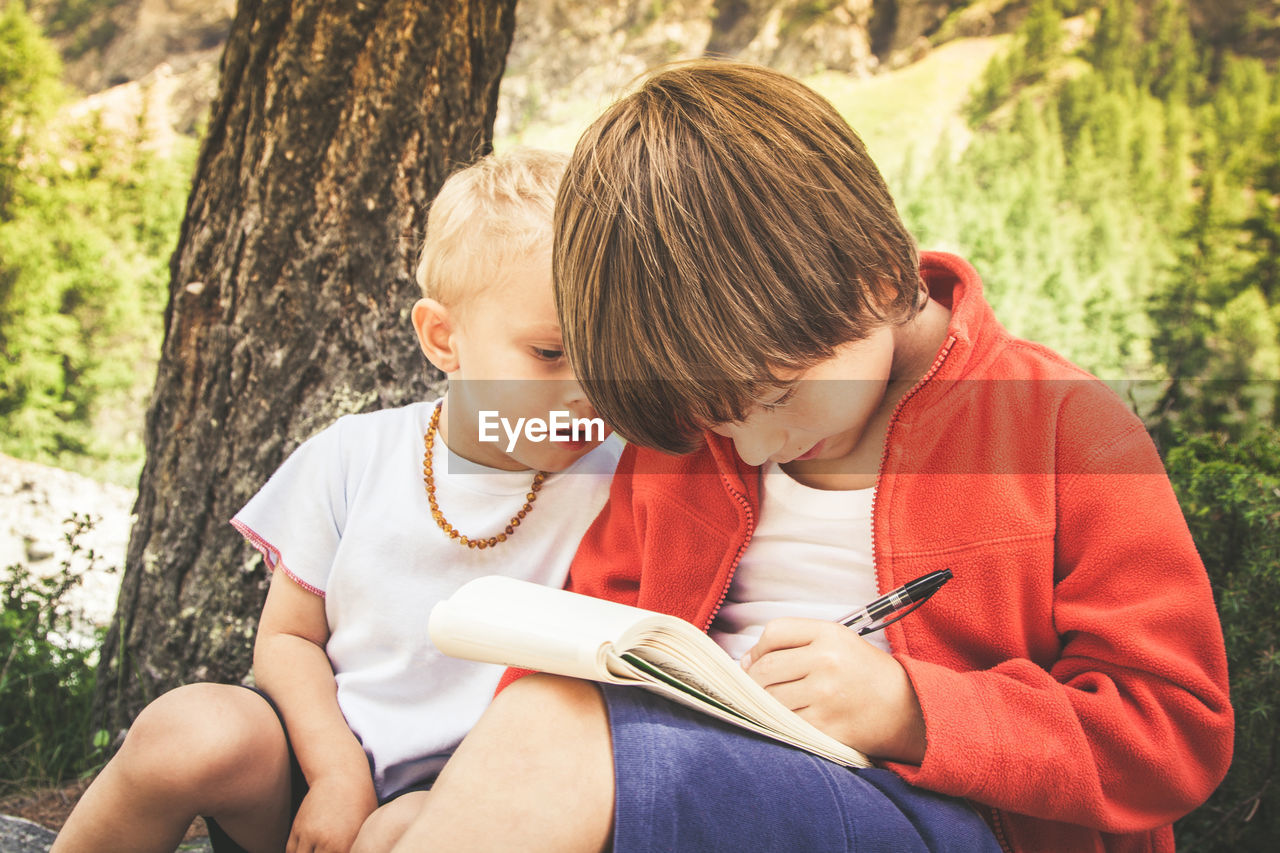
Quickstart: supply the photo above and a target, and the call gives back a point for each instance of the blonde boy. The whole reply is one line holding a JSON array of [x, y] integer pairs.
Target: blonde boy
[[366, 525]]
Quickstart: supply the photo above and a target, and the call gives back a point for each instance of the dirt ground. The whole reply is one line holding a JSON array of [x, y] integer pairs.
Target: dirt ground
[[49, 807]]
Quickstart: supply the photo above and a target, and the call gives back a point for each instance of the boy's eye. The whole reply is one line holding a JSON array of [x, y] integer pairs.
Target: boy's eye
[[544, 354], [786, 397]]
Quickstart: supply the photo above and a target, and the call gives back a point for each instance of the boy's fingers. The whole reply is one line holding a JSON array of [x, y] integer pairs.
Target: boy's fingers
[[792, 695], [779, 666], [784, 634]]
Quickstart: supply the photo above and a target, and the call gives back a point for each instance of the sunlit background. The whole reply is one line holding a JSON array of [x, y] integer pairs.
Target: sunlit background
[[1112, 169], [1109, 168]]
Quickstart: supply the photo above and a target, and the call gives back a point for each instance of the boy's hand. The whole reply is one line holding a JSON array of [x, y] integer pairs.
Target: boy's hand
[[841, 684], [331, 815]]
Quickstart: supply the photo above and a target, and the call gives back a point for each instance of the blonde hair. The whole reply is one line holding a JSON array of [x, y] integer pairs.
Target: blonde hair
[[720, 226], [487, 215]]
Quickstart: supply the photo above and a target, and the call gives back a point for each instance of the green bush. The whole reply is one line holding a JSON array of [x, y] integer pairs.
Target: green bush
[[47, 673], [1230, 494], [88, 218]]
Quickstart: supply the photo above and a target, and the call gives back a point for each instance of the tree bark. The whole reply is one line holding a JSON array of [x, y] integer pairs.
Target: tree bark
[[335, 124]]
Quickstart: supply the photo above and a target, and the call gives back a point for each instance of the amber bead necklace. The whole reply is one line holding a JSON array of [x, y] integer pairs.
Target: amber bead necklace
[[428, 479]]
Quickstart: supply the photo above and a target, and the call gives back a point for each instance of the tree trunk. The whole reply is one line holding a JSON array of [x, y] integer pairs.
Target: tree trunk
[[335, 124]]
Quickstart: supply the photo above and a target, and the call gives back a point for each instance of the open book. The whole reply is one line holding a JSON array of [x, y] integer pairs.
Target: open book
[[501, 620]]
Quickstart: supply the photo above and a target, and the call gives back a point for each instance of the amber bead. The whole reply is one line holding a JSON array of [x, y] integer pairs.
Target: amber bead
[[428, 480]]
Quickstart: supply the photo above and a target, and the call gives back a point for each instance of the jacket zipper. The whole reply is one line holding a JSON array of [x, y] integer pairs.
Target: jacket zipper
[[884, 455], [888, 433], [997, 820], [737, 558], [997, 828]]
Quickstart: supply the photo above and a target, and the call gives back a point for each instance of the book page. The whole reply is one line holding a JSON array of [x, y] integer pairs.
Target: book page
[[501, 620], [498, 619]]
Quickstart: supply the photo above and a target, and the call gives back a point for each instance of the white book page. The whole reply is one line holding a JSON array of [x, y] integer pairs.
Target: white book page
[[497, 619]]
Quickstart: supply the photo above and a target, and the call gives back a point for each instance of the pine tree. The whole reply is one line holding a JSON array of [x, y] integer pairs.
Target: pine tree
[[1168, 56], [1040, 34], [1115, 40]]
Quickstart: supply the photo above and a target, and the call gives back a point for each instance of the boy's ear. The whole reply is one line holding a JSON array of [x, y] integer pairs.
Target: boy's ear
[[435, 327]]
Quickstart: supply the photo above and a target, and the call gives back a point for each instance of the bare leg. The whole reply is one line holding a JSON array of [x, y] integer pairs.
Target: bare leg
[[202, 749], [383, 828], [535, 774]]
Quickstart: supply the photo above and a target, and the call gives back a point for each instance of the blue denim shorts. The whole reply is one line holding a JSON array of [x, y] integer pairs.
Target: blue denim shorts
[[687, 782]]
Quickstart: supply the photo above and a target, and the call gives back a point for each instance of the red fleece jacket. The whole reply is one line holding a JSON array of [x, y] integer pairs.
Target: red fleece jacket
[[1072, 674]]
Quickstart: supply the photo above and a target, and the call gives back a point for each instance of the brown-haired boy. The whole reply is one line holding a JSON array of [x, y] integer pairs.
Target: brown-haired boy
[[734, 284]]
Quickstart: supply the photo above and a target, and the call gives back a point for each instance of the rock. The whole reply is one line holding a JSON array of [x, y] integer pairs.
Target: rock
[[125, 40], [23, 836], [35, 503], [38, 551], [156, 62], [169, 101]]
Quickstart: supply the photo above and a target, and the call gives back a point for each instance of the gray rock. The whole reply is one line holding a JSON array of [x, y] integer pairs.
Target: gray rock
[[35, 503], [23, 836]]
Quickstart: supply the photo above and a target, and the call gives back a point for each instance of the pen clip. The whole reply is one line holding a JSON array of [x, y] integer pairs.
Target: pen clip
[[933, 581], [872, 627]]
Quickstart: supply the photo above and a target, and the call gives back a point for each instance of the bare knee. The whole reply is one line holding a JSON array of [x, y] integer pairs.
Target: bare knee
[[385, 826], [200, 737], [552, 704], [540, 724], [536, 773]]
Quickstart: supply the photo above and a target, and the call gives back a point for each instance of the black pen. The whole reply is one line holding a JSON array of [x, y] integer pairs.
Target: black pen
[[892, 606]]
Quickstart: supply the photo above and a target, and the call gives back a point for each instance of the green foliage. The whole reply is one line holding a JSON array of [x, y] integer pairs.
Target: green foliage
[[1249, 27], [47, 673], [29, 70], [1168, 58], [1122, 206], [1230, 494], [1065, 208], [86, 226], [1041, 35], [1066, 196], [1115, 41], [1218, 320], [1035, 51]]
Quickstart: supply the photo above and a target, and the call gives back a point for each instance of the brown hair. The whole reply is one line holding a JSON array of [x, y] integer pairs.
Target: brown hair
[[716, 227]]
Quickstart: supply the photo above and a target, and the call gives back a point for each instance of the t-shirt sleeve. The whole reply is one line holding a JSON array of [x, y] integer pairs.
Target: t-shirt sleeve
[[296, 519]]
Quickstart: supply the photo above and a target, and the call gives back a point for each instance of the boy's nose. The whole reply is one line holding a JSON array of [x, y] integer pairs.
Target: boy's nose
[[753, 453], [754, 446]]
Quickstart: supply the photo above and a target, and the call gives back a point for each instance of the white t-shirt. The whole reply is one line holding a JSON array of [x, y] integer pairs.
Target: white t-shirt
[[811, 556], [347, 517]]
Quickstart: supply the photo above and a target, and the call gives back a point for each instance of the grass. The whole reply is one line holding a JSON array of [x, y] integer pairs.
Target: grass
[[902, 114]]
